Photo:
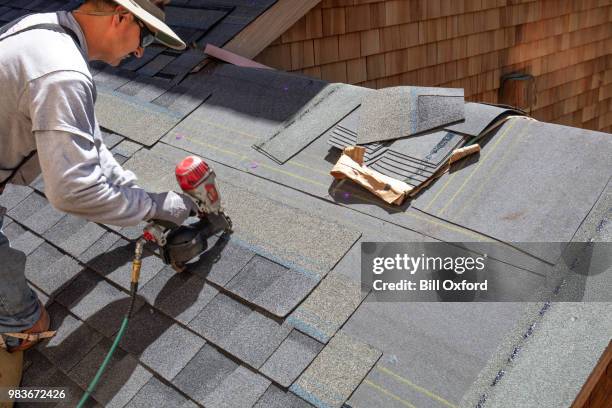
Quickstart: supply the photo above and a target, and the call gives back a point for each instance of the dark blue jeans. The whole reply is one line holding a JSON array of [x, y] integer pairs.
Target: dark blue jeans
[[19, 307]]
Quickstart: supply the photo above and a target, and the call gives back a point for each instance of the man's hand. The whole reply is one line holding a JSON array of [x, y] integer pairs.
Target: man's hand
[[173, 207]]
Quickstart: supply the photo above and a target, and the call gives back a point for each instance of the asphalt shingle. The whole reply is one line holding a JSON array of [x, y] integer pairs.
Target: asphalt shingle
[[139, 121], [223, 261], [241, 389], [168, 354], [126, 148], [73, 234], [156, 394], [255, 339], [274, 397], [54, 276], [204, 373], [13, 195], [189, 300], [327, 307], [285, 293], [96, 302], [292, 357], [123, 378], [336, 372], [219, 317], [72, 341], [36, 213], [98, 248], [20, 239], [162, 286], [396, 112], [255, 277]]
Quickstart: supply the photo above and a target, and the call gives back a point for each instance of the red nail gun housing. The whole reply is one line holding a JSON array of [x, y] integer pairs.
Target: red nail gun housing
[[197, 179]]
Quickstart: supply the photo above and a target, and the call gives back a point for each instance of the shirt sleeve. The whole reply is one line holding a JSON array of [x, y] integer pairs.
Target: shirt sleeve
[[76, 183], [62, 101]]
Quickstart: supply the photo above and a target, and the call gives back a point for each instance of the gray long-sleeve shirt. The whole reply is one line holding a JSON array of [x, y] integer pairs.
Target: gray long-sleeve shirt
[[47, 104]]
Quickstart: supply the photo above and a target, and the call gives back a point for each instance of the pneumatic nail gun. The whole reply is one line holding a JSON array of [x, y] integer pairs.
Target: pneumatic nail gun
[[181, 244]]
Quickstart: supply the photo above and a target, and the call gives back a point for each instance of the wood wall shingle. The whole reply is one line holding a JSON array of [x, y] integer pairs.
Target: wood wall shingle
[[565, 44]]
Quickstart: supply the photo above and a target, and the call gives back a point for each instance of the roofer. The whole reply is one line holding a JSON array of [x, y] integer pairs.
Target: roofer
[[48, 126]]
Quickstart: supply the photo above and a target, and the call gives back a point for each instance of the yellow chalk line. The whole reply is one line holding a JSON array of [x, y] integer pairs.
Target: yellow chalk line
[[388, 393], [480, 163], [493, 170], [222, 127], [416, 387], [363, 197]]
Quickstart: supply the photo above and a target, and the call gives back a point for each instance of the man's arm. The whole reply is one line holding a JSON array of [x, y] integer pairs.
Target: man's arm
[[75, 182]]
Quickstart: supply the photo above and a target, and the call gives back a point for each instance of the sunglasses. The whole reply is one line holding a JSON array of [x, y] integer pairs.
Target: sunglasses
[[146, 36]]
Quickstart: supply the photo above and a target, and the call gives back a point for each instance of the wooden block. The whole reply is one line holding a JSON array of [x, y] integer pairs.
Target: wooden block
[[446, 8], [309, 26], [356, 70], [432, 30], [398, 12], [326, 50], [390, 38], [387, 82], [302, 54], [445, 51], [334, 21], [409, 34], [378, 14], [276, 56], [335, 72], [349, 46], [336, 3], [375, 65], [314, 72], [369, 84], [370, 42], [358, 18], [433, 9]]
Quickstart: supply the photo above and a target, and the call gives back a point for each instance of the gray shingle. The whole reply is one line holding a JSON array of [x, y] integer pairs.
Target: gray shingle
[[146, 326], [40, 260], [162, 285], [327, 307], [20, 239], [284, 294], [168, 354], [96, 302], [111, 139], [54, 275], [219, 317], [241, 389], [36, 213], [274, 397], [292, 357], [223, 261], [396, 112], [13, 195], [156, 394], [98, 248], [123, 377], [72, 341], [477, 117], [126, 148], [41, 371], [281, 231], [190, 299], [518, 161], [203, 374], [255, 277], [130, 117], [116, 264], [336, 372], [255, 339]]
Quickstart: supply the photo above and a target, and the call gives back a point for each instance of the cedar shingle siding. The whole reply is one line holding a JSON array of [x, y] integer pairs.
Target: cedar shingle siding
[[566, 45]]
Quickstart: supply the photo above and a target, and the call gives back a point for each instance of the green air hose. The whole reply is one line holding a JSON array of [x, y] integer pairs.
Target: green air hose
[[124, 324]]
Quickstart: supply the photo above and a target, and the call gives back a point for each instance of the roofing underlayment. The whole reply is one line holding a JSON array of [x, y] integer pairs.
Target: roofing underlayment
[[275, 315]]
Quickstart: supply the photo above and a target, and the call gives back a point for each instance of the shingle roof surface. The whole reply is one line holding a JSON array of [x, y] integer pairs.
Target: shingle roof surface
[[274, 316]]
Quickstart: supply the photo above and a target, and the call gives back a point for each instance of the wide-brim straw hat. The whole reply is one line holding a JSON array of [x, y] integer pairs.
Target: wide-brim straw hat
[[155, 18]]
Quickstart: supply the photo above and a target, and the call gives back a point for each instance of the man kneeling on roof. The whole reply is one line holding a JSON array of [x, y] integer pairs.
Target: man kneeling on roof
[[48, 126]]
